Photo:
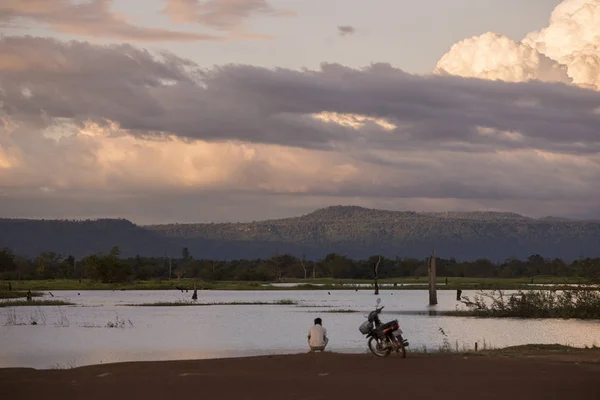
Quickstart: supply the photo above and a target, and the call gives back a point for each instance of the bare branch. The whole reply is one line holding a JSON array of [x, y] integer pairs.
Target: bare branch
[[303, 266], [376, 267]]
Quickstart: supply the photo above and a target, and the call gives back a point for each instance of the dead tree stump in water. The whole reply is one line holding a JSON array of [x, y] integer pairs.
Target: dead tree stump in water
[[376, 274], [195, 295], [432, 280]]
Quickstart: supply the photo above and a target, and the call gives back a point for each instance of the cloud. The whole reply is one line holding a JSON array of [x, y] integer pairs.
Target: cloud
[[493, 56], [574, 27], [344, 30], [225, 15], [143, 92], [104, 170], [93, 18], [83, 123], [567, 50], [107, 158]]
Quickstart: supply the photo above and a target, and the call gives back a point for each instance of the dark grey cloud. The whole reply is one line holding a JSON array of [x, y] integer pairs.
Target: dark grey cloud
[[147, 93], [91, 18], [345, 30], [458, 141]]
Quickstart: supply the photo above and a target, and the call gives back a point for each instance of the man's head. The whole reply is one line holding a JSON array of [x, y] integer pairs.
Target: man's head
[[318, 321]]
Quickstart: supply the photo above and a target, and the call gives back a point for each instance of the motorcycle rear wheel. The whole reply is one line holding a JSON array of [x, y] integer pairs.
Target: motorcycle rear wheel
[[376, 347], [401, 348]]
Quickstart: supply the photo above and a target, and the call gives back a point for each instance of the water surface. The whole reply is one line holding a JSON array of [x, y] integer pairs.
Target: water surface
[[78, 335]]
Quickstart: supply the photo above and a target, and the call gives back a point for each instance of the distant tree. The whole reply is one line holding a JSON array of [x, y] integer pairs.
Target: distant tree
[[7, 263], [70, 261], [179, 272], [112, 267], [107, 268], [49, 263]]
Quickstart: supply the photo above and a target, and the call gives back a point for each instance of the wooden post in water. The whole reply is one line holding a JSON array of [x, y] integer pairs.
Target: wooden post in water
[[195, 295], [376, 272], [432, 281]]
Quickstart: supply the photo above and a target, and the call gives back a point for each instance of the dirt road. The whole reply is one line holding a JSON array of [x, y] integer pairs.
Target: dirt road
[[317, 376]]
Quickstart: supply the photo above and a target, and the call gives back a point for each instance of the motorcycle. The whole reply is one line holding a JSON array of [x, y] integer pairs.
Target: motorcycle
[[383, 338]]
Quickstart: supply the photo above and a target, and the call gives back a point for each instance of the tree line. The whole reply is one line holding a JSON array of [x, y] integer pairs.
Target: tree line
[[111, 267]]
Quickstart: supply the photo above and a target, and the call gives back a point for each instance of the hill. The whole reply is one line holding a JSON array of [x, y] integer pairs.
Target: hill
[[29, 237], [359, 232], [354, 231]]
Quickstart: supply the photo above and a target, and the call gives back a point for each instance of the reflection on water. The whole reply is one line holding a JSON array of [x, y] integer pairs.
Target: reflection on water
[[162, 333]]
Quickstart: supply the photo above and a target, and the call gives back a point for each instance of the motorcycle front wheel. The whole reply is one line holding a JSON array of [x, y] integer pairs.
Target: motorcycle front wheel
[[377, 347]]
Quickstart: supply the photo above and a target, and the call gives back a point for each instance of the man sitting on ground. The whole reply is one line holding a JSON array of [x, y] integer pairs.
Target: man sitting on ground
[[317, 336]]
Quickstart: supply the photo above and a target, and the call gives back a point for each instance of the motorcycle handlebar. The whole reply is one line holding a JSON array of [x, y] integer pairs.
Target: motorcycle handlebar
[[376, 311]]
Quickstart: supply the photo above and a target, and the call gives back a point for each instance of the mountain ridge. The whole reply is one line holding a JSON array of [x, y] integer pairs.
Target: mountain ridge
[[355, 231]]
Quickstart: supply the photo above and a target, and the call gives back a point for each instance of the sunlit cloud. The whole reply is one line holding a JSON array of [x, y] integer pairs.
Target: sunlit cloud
[[567, 50], [118, 130]]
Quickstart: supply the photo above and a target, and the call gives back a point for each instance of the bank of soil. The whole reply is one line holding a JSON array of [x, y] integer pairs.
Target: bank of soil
[[321, 376]]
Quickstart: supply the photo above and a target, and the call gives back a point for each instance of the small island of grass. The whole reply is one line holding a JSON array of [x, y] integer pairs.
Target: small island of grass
[[284, 302], [17, 294], [34, 303], [578, 304]]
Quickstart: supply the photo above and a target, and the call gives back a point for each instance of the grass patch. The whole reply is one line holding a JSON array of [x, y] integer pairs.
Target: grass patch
[[527, 349], [451, 281], [25, 303], [313, 306], [17, 294], [286, 302], [546, 348], [578, 304], [328, 284], [232, 303]]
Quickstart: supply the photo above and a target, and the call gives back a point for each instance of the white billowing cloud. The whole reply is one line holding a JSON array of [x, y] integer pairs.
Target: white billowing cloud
[[496, 57], [573, 38], [570, 43], [574, 26], [584, 66]]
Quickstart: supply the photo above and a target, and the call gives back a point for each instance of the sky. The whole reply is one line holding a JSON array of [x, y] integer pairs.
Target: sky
[[165, 111]]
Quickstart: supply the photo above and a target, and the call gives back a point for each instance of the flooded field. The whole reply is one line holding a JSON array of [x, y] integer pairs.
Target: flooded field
[[107, 326]]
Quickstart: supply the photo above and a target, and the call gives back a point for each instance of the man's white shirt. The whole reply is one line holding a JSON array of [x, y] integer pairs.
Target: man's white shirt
[[317, 336]]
